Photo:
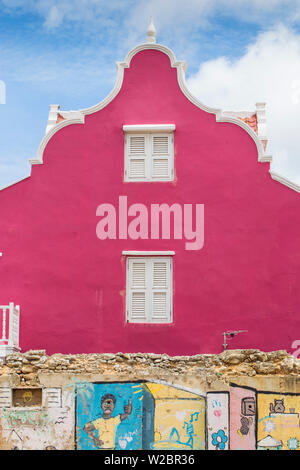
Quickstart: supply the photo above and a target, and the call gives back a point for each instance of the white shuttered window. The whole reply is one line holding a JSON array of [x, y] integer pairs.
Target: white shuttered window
[[149, 290], [149, 156]]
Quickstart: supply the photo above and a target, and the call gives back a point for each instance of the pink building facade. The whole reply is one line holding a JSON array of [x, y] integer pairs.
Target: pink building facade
[[91, 267]]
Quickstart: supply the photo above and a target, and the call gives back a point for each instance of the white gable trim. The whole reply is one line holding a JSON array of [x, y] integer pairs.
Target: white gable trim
[[181, 68], [67, 122], [15, 182], [77, 117], [285, 181]]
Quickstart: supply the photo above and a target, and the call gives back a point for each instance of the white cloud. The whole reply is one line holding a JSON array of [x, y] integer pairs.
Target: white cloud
[[70, 67], [185, 13], [54, 18], [269, 72], [54, 12], [189, 14]]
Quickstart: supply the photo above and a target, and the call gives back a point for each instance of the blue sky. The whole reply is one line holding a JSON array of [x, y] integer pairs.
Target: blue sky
[[64, 51]]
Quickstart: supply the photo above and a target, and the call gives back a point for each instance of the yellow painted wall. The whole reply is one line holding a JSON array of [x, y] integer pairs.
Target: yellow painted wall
[[179, 418], [281, 426]]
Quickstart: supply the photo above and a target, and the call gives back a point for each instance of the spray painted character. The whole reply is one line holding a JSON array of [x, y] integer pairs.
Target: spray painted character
[[107, 424]]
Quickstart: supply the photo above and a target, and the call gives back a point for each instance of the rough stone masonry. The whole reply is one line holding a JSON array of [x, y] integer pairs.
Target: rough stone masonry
[[27, 368]]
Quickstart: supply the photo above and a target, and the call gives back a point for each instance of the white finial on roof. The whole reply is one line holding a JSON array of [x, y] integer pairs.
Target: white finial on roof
[[151, 32]]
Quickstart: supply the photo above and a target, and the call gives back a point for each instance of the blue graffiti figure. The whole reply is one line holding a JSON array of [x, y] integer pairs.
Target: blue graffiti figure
[[189, 427], [107, 424], [174, 437]]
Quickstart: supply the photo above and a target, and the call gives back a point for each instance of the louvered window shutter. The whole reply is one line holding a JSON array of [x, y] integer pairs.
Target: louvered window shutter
[[137, 286], [137, 151], [52, 397], [149, 290], [149, 157], [5, 397], [161, 290], [161, 156]]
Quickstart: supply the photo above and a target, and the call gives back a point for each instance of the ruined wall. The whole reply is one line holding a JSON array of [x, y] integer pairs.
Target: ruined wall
[[240, 399]]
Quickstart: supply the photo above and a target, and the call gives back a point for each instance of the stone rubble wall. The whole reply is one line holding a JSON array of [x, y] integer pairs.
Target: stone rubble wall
[[26, 368]]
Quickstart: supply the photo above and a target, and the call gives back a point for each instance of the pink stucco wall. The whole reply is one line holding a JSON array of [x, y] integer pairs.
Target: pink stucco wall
[[71, 285], [241, 440]]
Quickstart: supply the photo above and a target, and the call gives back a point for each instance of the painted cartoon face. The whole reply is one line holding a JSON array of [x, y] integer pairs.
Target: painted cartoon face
[[108, 406]]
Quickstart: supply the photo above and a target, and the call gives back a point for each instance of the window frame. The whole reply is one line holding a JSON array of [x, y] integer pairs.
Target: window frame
[[149, 132], [7, 396], [149, 289]]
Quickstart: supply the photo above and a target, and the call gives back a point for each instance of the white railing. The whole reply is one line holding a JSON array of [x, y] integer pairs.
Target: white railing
[[9, 329]]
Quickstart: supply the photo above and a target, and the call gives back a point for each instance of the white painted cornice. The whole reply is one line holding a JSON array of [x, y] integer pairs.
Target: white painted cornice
[[14, 182], [283, 180], [38, 160], [78, 117]]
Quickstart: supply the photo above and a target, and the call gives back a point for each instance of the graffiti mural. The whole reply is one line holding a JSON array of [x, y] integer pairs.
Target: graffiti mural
[[278, 421], [128, 416], [179, 418], [263, 420], [26, 423], [156, 416], [242, 418], [147, 415], [112, 417], [217, 421]]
